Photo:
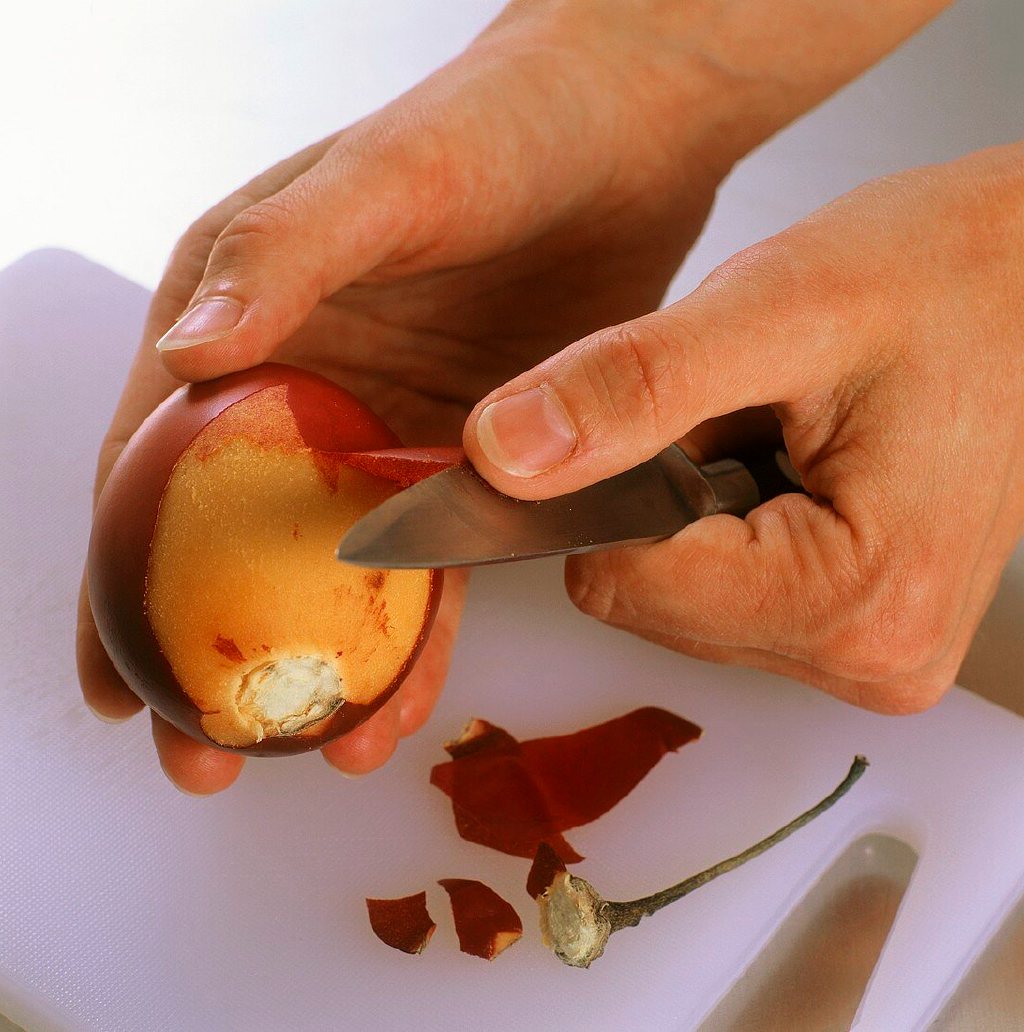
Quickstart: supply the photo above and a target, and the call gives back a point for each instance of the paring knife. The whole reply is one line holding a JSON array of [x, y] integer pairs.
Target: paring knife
[[455, 518]]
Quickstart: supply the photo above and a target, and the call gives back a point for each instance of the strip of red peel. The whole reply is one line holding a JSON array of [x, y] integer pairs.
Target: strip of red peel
[[485, 923], [403, 466], [506, 837], [585, 774], [403, 924], [513, 795], [546, 865], [516, 827]]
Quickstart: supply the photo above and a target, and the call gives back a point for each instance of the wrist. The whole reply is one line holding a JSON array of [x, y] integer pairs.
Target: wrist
[[634, 75], [730, 73]]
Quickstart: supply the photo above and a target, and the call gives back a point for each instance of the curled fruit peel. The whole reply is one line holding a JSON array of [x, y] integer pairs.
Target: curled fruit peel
[[403, 466]]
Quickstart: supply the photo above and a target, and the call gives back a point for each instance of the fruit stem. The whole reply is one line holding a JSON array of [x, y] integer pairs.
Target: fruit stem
[[627, 914]]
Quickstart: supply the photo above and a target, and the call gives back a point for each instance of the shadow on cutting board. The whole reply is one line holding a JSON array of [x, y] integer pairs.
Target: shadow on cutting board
[[812, 974]]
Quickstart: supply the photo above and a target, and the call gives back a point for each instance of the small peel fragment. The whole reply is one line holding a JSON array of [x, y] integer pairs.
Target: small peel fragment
[[485, 923], [546, 865], [402, 924], [512, 795], [477, 736]]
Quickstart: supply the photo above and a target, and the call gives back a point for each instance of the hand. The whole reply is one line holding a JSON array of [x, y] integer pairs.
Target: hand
[[546, 183], [886, 332], [523, 196]]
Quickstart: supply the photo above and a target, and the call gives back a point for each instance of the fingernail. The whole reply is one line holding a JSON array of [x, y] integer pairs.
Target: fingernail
[[526, 433], [208, 320], [103, 716], [344, 773], [185, 791]]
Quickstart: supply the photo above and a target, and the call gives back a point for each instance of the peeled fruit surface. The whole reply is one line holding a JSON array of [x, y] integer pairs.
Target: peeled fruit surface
[[254, 522], [212, 573]]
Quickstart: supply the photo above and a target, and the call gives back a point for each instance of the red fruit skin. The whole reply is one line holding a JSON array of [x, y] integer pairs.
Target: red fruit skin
[[546, 865], [403, 924], [329, 420], [512, 796], [485, 923], [404, 466], [515, 826]]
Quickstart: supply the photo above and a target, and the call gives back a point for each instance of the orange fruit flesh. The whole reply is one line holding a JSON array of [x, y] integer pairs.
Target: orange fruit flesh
[[264, 630]]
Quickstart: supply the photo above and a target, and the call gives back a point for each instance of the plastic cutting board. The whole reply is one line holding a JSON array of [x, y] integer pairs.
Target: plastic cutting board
[[125, 905]]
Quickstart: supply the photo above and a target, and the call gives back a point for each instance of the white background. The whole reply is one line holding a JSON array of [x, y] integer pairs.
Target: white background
[[120, 122]]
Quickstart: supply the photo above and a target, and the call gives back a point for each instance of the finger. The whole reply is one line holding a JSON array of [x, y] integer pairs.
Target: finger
[[102, 688], [421, 688], [148, 384], [277, 258], [191, 766], [791, 581], [900, 695], [618, 397], [188, 261], [370, 745], [149, 381]]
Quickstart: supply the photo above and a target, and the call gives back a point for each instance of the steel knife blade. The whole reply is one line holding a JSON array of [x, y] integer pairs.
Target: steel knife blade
[[455, 518]]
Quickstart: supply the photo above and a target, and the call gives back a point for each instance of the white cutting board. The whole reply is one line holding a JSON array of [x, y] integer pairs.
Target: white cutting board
[[125, 905]]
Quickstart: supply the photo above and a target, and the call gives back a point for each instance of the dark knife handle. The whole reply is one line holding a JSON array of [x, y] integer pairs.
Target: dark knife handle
[[753, 476]]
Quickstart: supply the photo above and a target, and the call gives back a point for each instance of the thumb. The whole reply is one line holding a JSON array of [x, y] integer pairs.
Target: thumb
[[618, 397], [279, 257]]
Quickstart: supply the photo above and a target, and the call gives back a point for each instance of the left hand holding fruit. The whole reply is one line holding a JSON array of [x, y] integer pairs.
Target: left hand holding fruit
[[887, 334], [425, 255]]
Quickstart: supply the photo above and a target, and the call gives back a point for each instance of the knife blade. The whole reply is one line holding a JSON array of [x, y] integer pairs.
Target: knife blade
[[455, 518]]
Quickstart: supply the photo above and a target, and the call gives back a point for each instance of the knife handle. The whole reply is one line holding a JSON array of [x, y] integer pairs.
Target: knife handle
[[752, 477]]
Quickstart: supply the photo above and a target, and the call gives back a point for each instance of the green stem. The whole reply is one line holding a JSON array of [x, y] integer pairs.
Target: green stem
[[626, 914]]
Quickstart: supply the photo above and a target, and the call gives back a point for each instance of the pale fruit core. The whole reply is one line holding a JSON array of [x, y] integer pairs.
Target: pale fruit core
[[287, 695], [266, 632]]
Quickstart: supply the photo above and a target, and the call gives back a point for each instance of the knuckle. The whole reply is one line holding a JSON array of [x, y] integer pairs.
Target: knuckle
[[591, 588], [905, 697], [254, 229], [254, 226], [193, 247], [192, 251], [644, 375], [795, 279], [896, 629], [190, 257], [775, 263], [185, 268]]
